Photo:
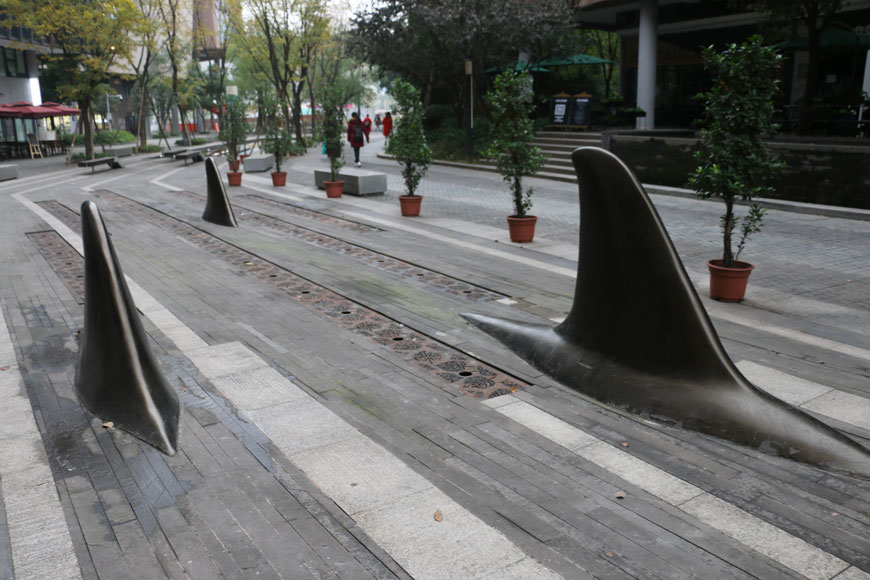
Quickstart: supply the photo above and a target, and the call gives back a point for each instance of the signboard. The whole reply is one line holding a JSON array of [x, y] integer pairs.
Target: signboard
[[580, 109], [233, 90], [559, 110]]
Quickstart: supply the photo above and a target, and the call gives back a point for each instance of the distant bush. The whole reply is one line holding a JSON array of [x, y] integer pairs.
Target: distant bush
[[193, 141], [114, 137], [438, 116], [150, 149]]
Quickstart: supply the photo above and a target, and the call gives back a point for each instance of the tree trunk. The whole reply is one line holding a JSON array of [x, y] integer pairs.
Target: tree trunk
[[85, 119], [142, 129], [727, 256]]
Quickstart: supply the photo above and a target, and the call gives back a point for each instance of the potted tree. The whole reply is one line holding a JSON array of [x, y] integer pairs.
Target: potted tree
[[510, 104], [408, 144], [234, 131], [278, 140], [333, 136], [734, 161]]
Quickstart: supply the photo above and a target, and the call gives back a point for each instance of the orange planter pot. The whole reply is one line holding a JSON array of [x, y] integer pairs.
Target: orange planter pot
[[728, 284], [333, 188], [522, 229], [279, 178], [234, 177], [410, 205]]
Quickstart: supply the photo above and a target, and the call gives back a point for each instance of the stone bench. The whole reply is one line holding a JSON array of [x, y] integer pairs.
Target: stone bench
[[259, 163], [122, 150], [8, 172], [356, 181], [112, 162]]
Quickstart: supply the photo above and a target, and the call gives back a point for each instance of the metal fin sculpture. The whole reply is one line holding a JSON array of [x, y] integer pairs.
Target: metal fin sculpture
[[118, 378], [638, 337], [217, 206]]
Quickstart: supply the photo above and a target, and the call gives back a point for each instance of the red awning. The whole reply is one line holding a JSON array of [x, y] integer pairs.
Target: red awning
[[25, 110]]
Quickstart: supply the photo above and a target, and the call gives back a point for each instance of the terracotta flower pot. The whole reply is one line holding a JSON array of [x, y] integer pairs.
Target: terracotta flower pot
[[279, 178], [333, 188], [234, 165], [728, 284], [522, 229], [234, 177], [410, 205]]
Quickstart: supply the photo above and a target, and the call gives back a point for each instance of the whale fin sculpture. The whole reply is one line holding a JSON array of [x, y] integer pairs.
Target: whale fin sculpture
[[118, 378], [217, 206], [638, 337]]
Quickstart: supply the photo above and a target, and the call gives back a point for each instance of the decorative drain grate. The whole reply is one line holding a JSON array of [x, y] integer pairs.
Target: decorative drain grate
[[471, 376], [310, 214], [64, 260], [382, 262]]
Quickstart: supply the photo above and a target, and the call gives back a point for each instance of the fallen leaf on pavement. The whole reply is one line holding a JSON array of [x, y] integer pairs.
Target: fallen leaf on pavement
[[108, 425], [437, 515], [620, 495]]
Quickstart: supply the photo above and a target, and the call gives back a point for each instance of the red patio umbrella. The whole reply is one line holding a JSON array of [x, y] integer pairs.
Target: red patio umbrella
[[59, 109], [25, 110]]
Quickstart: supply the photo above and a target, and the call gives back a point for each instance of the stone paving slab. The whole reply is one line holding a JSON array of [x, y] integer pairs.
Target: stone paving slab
[[252, 492]]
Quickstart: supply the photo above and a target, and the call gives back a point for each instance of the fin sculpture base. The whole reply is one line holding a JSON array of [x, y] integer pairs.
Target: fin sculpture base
[[118, 378], [638, 337], [217, 206]]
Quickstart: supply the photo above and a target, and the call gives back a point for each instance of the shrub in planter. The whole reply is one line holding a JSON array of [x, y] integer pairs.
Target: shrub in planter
[[234, 128], [511, 134], [734, 161], [331, 102], [408, 143], [278, 140]]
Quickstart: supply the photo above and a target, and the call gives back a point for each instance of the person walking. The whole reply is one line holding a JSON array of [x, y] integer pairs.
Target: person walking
[[356, 136], [388, 127], [367, 127], [377, 121]]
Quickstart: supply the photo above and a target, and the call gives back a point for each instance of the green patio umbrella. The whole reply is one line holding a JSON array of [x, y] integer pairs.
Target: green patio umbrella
[[578, 58], [832, 39], [519, 67]]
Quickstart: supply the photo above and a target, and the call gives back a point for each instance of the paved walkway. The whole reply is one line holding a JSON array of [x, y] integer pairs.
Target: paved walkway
[[341, 420]]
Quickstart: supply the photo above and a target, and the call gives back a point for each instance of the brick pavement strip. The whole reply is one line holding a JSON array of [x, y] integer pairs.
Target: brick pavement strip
[[255, 493]]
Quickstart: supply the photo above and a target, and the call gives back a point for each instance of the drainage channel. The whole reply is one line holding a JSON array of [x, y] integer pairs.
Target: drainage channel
[[469, 375], [62, 258], [371, 258]]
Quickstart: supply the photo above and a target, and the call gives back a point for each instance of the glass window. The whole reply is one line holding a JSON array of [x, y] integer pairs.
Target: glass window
[[11, 63], [2, 63], [22, 64]]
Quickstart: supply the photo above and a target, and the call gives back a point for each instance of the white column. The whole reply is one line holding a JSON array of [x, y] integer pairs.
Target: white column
[[646, 62]]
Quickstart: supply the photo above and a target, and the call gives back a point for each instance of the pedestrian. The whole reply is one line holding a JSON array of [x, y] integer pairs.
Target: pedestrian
[[377, 121], [356, 136], [388, 127], [367, 127]]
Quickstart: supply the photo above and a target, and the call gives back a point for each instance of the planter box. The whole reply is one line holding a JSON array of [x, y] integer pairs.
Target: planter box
[[356, 181], [259, 163]]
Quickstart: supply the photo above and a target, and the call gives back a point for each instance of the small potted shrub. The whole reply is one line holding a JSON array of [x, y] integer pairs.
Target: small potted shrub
[[278, 140], [734, 161], [333, 137], [408, 144], [234, 131], [510, 103]]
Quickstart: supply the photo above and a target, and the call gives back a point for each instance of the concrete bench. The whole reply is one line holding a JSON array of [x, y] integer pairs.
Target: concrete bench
[[122, 150], [259, 163], [171, 153], [356, 181], [8, 172], [112, 162]]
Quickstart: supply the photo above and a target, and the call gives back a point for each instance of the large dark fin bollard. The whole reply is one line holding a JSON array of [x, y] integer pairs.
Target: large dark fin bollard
[[118, 378], [217, 206], [638, 336]]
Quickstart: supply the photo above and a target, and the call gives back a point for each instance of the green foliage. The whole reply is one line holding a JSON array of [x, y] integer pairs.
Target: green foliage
[[512, 134], [438, 116], [734, 161], [279, 141], [234, 127], [408, 142], [331, 101], [193, 141], [150, 148], [115, 137]]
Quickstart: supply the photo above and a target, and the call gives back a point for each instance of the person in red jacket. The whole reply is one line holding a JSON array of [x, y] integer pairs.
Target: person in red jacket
[[356, 135], [388, 127], [367, 127]]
